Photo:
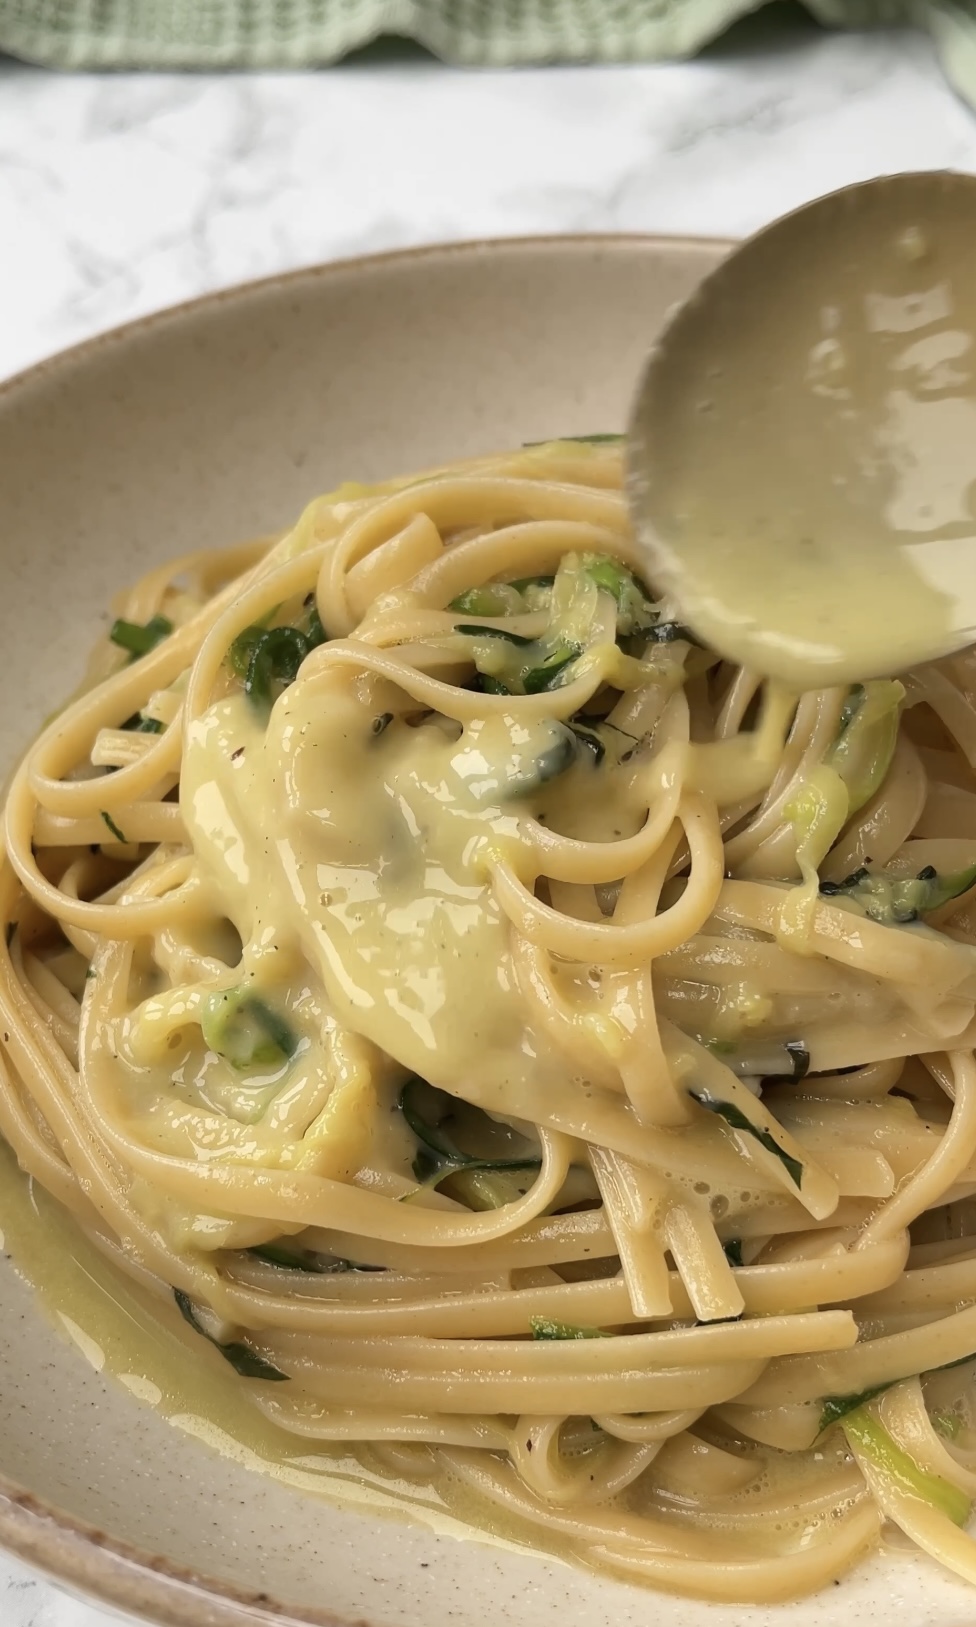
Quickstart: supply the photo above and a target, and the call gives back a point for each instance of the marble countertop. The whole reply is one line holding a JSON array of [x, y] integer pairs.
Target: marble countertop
[[121, 194]]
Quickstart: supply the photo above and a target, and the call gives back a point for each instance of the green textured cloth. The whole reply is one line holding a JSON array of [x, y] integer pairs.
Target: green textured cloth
[[296, 33]]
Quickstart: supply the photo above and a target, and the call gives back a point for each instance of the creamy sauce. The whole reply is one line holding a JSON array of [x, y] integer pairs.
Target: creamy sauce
[[140, 1342], [809, 434], [143, 1344], [352, 853], [379, 868], [372, 853]]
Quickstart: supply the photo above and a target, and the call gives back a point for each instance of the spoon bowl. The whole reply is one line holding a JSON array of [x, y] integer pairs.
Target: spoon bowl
[[802, 451]]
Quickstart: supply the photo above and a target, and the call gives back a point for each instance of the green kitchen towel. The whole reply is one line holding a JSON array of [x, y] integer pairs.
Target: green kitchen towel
[[297, 33]]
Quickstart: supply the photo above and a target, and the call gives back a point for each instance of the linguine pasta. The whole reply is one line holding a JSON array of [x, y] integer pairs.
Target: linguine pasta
[[527, 1047]]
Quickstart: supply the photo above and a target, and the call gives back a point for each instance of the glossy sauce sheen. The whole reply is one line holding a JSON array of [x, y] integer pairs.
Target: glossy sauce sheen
[[805, 450], [356, 864], [377, 869], [121, 1330]]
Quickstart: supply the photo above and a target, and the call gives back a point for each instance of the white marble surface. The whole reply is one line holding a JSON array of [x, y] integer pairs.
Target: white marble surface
[[118, 195]]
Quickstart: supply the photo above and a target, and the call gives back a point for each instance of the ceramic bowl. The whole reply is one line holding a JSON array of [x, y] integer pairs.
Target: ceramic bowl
[[206, 424]]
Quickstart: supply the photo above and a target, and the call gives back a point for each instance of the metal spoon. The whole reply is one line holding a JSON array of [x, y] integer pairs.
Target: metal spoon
[[802, 452]]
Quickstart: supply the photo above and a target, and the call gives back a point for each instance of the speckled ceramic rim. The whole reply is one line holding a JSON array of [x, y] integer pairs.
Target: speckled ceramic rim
[[127, 1578]]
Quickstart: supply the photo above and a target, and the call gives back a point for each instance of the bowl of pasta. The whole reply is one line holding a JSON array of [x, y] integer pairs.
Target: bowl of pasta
[[487, 1100]]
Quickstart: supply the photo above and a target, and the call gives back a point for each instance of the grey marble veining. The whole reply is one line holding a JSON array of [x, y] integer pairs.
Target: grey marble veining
[[121, 194], [27, 1600]]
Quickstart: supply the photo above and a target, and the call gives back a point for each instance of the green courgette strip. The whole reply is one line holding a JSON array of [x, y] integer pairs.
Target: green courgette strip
[[438, 1155]]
